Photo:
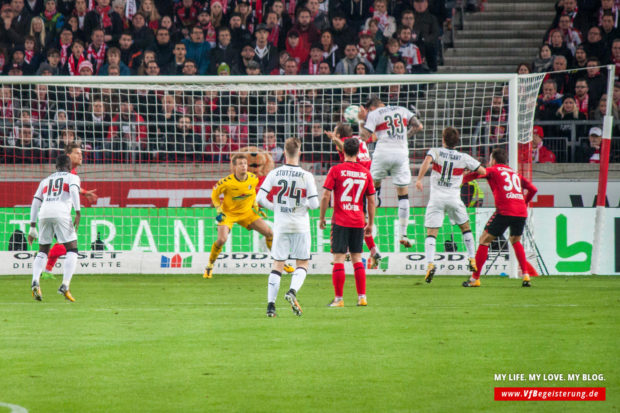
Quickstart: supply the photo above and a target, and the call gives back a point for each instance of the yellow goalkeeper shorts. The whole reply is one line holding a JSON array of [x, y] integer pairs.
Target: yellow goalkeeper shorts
[[242, 219]]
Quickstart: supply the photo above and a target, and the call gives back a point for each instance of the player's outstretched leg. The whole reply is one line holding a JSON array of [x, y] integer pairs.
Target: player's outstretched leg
[[273, 287], [215, 252], [360, 283], [291, 297], [470, 246], [69, 269], [338, 278], [403, 219], [37, 268], [375, 258], [56, 251], [429, 251], [520, 254], [481, 258]]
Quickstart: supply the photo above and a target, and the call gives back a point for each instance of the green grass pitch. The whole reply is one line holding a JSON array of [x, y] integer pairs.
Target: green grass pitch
[[172, 343]]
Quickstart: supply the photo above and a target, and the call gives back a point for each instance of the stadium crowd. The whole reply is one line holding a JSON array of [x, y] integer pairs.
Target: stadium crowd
[[583, 36]]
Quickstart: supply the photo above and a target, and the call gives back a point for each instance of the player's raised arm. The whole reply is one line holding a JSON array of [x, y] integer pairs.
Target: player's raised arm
[[529, 187], [263, 192], [428, 160], [335, 138]]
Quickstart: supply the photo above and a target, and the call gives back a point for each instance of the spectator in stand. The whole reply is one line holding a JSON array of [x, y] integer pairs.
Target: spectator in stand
[[386, 24], [247, 55], [408, 51], [219, 148], [582, 99], [331, 51], [127, 135], [79, 12], [114, 70], [189, 68], [571, 36], [223, 69], [590, 150], [549, 101], [608, 31], [581, 58], [86, 68], [361, 69], [240, 35], [34, 7], [540, 153], [562, 79], [557, 45], [152, 68], [252, 69], [565, 115], [611, 7], [186, 13], [342, 33], [296, 48], [147, 57], [377, 36], [8, 36], [615, 57], [186, 145], [128, 50], [149, 11], [496, 119], [367, 48], [24, 146], [212, 21], [163, 47], [97, 122], [595, 46], [390, 56], [284, 19], [427, 26], [119, 7], [105, 18], [307, 32], [97, 49], [325, 69], [597, 82], [270, 144], [266, 54], [176, 66], [356, 12], [524, 69], [319, 18], [599, 114], [579, 19], [544, 61], [114, 59], [291, 68], [311, 66], [52, 18], [248, 21], [346, 66], [223, 52], [32, 56], [142, 35], [276, 36], [37, 30]]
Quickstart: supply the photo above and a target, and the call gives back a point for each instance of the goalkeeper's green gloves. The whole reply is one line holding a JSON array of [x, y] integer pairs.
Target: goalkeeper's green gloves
[[257, 209]]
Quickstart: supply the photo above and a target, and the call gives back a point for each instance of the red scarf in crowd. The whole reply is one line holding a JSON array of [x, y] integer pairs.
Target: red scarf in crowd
[[582, 104], [49, 15], [274, 36], [97, 56], [105, 16], [64, 53], [313, 68], [72, 65], [28, 55]]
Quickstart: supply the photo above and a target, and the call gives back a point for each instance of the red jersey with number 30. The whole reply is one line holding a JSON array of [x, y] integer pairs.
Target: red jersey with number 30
[[350, 183], [507, 186]]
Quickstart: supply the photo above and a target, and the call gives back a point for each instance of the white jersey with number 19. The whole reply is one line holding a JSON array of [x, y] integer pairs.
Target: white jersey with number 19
[[389, 123], [54, 192]]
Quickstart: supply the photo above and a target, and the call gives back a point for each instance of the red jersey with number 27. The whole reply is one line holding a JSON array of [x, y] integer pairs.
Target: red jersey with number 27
[[350, 182], [507, 186]]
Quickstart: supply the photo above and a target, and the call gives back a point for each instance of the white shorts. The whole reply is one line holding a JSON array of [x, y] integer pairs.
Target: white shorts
[[394, 164], [62, 227], [438, 207], [295, 246]]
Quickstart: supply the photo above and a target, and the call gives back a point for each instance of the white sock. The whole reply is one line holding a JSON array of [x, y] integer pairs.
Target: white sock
[[274, 286], [37, 266], [403, 216], [468, 239], [298, 278], [70, 264], [429, 249]]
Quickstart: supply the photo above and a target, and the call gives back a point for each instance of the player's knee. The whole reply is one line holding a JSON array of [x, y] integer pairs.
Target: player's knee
[[515, 238]]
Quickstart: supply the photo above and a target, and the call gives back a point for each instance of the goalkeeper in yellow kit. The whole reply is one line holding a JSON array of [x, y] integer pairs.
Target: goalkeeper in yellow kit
[[237, 206]]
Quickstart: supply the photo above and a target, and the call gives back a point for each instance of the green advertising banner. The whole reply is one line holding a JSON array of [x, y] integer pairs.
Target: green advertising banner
[[193, 230]]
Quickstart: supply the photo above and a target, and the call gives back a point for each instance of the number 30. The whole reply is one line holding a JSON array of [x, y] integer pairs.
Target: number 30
[[512, 181]]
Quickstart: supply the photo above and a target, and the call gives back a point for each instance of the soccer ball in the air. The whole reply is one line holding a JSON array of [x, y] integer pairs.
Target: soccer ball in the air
[[350, 114]]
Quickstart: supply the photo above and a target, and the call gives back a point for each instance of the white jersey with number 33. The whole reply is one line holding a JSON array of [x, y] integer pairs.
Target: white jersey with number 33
[[389, 123], [448, 168]]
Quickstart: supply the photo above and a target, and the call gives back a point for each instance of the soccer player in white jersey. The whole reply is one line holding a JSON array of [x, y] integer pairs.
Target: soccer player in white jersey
[[295, 193], [392, 126], [52, 204], [446, 178]]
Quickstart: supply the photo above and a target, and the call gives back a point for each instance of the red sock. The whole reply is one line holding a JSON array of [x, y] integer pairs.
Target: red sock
[[52, 256], [481, 257], [360, 278], [338, 277], [370, 242], [531, 270], [520, 253]]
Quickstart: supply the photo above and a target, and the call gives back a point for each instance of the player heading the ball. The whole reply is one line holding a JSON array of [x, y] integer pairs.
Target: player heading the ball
[[350, 182], [238, 205], [295, 193], [52, 204], [510, 212], [446, 177], [391, 126]]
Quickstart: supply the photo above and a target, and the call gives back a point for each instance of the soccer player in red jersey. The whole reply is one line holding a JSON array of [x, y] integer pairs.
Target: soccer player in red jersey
[[349, 182], [510, 212], [338, 136], [74, 152]]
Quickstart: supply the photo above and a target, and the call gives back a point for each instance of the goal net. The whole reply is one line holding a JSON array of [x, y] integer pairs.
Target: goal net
[[154, 147]]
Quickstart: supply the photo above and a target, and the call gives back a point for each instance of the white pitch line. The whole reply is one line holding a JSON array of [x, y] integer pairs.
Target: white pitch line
[[14, 408]]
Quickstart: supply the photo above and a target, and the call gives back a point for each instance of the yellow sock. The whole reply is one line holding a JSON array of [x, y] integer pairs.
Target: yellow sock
[[269, 241], [215, 251]]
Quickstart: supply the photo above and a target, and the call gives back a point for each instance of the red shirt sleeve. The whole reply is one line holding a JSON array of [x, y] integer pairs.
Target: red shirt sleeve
[[370, 188], [531, 189], [329, 180]]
